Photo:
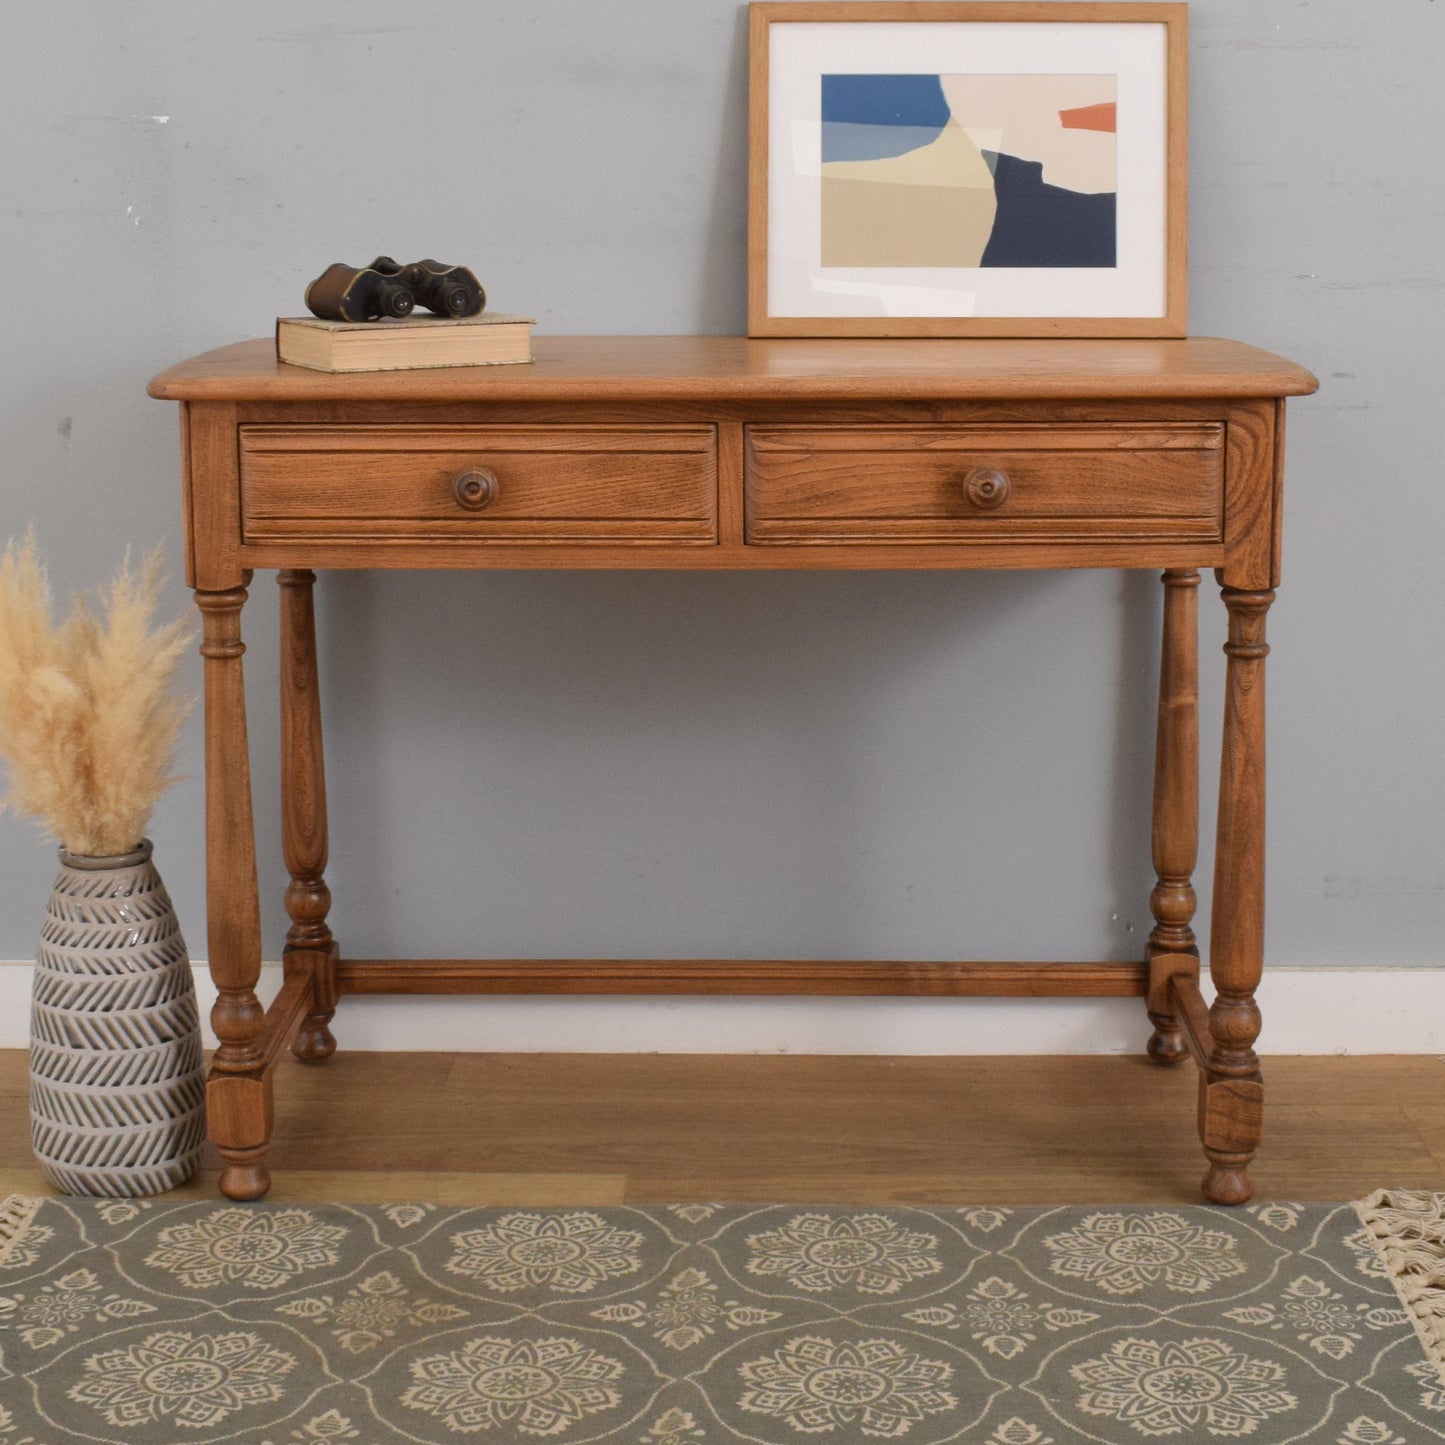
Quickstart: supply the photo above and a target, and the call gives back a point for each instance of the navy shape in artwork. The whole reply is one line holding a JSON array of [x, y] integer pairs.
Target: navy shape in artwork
[[869, 117], [1042, 225]]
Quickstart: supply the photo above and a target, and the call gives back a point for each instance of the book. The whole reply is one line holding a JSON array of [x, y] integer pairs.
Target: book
[[493, 338]]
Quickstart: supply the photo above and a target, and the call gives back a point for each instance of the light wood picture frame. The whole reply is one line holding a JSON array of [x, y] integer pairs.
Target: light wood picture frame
[[943, 168]]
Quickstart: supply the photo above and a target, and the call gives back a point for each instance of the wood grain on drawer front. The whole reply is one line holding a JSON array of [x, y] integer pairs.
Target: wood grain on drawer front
[[552, 483], [1093, 481]]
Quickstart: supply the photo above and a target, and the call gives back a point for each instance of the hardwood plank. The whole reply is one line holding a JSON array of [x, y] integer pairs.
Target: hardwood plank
[[1428, 1120], [357, 1186], [1098, 1129]]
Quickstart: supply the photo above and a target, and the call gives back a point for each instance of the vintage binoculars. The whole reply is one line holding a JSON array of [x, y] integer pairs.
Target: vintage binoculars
[[385, 288]]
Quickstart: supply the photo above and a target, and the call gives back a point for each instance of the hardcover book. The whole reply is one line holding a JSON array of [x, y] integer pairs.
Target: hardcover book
[[493, 338]]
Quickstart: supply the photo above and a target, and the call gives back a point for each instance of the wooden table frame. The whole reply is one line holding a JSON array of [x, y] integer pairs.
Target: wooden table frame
[[723, 453]]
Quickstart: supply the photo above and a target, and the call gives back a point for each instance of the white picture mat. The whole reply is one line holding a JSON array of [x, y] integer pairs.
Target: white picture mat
[[800, 54]]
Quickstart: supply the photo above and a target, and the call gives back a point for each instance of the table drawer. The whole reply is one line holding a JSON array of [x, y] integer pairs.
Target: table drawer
[[493, 483], [1091, 481]]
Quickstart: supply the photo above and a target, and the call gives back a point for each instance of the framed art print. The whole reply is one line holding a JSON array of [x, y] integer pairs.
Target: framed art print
[[966, 169]]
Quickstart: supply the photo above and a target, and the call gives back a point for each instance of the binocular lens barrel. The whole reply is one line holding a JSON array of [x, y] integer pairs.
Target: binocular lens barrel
[[455, 300], [394, 300]]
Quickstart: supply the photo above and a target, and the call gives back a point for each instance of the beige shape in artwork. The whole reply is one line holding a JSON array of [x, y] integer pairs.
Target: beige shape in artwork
[[950, 160], [933, 206], [1019, 115]]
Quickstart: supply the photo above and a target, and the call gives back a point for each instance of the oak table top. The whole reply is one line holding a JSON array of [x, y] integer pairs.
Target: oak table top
[[735, 368]]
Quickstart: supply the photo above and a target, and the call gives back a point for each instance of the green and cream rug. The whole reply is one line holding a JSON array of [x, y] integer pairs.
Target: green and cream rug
[[157, 1322]]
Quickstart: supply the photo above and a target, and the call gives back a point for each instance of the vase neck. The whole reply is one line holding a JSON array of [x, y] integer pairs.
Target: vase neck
[[99, 862]]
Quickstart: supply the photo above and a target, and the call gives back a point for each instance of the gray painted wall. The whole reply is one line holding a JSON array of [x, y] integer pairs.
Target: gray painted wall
[[875, 766]]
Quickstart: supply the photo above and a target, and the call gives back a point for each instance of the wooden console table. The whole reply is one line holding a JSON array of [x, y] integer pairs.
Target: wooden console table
[[719, 452]]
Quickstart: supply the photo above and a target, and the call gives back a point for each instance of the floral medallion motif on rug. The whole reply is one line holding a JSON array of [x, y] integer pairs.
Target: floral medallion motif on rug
[[703, 1324]]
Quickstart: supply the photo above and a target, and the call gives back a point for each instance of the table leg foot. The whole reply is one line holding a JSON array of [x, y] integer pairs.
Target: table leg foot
[[1169, 1044], [1166, 1045], [314, 1042], [1231, 1112], [245, 1176], [1228, 1181]]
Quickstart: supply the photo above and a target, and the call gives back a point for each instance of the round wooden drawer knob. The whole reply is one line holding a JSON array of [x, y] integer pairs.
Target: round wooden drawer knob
[[476, 489], [986, 487]]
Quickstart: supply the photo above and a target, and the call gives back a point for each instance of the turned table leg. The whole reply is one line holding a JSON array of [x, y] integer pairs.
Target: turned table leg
[[1231, 1093], [309, 943], [1171, 948], [238, 1093]]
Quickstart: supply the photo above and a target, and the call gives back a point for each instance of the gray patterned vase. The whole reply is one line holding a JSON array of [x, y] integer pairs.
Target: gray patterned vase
[[117, 1088]]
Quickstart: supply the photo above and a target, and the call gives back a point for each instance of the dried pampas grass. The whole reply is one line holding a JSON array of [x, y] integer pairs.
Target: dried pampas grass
[[88, 721]]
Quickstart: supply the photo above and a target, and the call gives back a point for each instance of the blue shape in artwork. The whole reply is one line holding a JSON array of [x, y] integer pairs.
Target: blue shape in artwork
[[1042, 225], [844, 141], [885, 99], [868, 117]]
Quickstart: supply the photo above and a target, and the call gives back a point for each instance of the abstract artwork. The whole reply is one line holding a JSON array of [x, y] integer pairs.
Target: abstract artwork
[[963, 169], [968, 170]]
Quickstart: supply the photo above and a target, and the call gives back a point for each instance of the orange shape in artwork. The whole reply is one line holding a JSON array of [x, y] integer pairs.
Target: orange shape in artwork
[[1091, 117]]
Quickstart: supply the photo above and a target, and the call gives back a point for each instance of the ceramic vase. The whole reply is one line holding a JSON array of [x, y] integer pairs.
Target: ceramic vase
[[117, 1084]]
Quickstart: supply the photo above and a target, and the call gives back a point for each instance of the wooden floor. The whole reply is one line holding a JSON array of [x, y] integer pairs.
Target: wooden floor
[[610, 1128]]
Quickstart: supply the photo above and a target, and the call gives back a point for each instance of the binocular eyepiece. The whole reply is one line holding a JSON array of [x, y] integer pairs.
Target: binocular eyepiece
[[389, 289]]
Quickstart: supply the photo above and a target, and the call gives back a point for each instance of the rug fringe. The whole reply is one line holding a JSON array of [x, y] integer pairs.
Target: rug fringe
[[16, 1212], [1407, 1228]]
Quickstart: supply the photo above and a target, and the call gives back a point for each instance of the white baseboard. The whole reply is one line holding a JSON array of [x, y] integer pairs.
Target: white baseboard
[[1306, 1011]]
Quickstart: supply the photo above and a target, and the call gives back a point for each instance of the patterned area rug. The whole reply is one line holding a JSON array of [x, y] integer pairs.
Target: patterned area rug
[[697, 1324]]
